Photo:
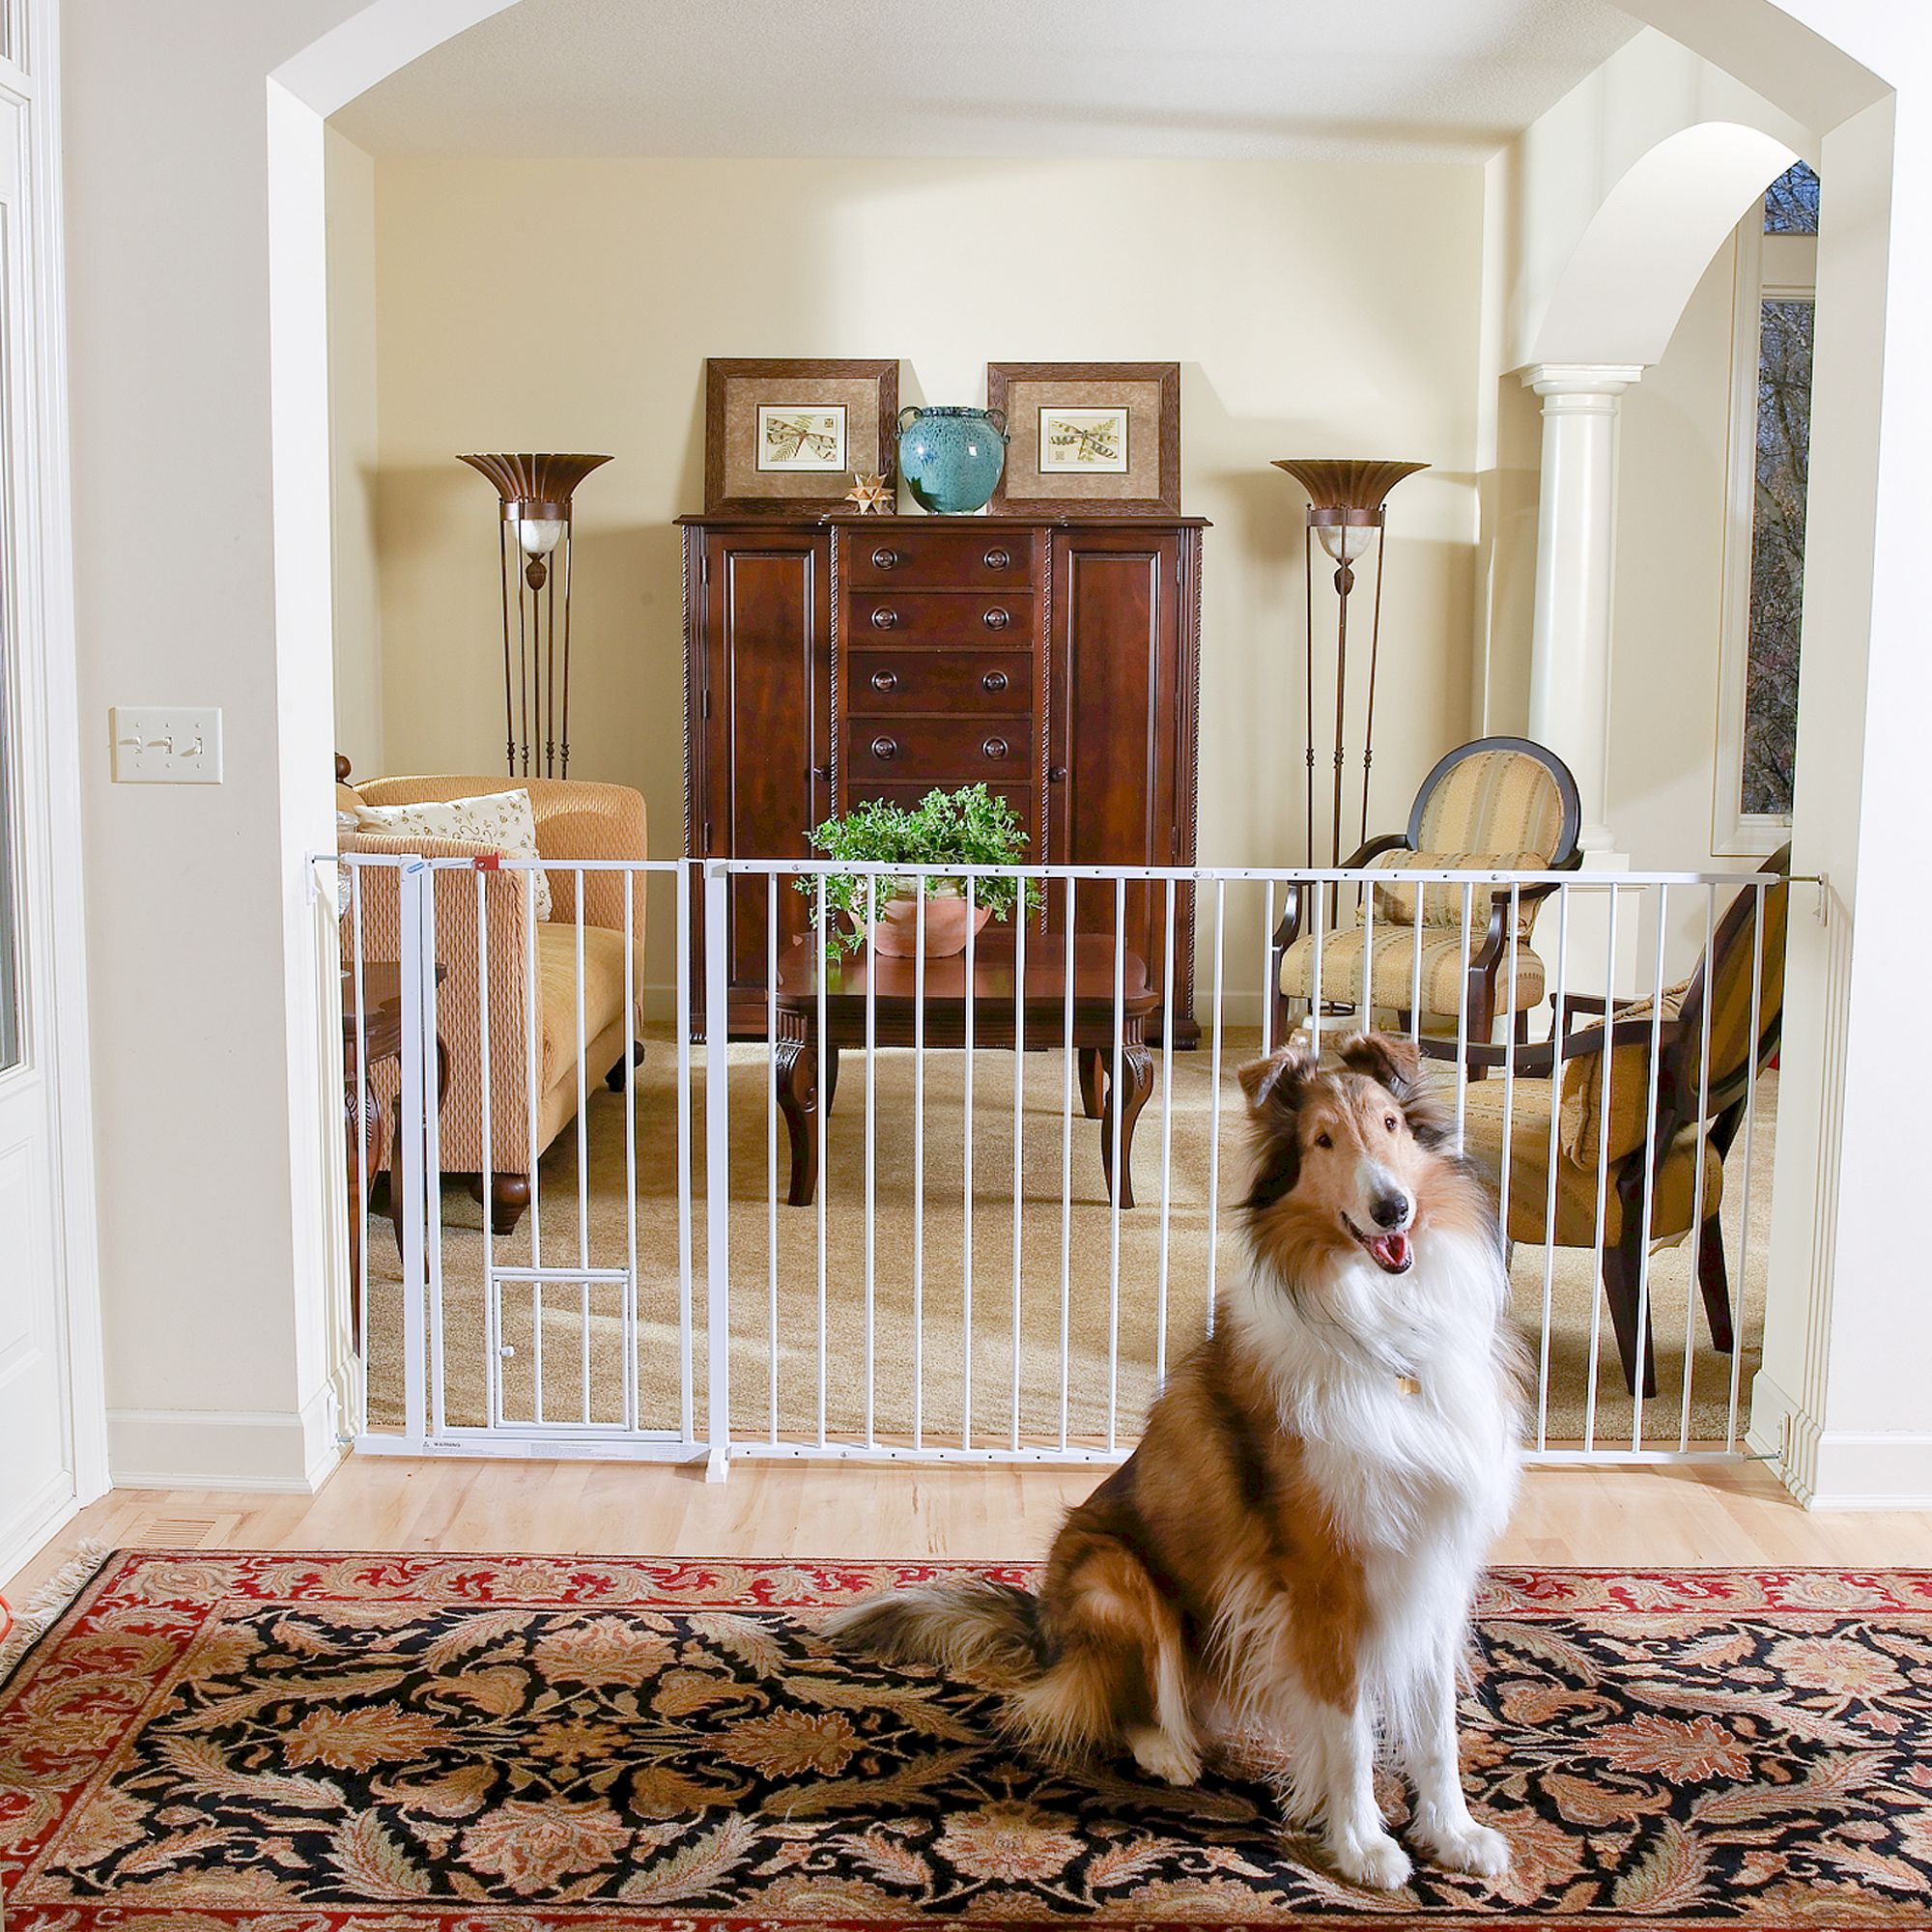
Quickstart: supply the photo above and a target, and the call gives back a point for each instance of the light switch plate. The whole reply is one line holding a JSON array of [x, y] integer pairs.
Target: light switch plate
[[166, 744]]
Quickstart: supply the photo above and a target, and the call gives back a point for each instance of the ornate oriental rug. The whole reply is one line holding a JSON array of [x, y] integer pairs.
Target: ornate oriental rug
[[522, 1744]]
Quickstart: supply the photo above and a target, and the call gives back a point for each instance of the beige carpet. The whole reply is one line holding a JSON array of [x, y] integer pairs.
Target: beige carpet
[[787, 1362]]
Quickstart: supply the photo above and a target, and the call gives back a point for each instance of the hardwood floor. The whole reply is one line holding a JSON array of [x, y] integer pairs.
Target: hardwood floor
[[1658, 1516]]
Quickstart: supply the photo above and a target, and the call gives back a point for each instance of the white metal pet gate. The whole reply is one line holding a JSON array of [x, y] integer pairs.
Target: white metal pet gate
[[965, 1283]]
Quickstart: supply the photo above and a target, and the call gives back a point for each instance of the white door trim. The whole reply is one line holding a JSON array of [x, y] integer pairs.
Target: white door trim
[[50, 711]]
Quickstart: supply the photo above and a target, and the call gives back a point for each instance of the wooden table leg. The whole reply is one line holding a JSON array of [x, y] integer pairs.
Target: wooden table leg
[[1092, 1082], [1137, 1073], [796, 1076]]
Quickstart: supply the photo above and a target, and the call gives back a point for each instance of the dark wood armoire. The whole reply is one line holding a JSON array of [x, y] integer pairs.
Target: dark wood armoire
[[833, 659]]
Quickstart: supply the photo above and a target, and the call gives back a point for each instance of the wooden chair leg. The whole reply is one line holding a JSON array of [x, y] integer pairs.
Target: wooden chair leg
[[1714, 1280], [1482, 1017], [796, 1079], [1621, 1267], [614, 1079], [509, 1196], [1137, 1076], [829, 1079]]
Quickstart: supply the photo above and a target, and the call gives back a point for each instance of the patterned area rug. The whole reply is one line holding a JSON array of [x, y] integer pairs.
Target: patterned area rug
[[518, 1743]]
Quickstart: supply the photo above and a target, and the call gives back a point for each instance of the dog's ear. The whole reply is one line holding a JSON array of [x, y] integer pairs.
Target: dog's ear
[[1396, 1065], [1276, 1082], [1395, 1062]]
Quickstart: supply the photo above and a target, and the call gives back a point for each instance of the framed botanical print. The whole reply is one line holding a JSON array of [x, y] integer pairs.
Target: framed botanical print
[[789, 435], [1093, 437]]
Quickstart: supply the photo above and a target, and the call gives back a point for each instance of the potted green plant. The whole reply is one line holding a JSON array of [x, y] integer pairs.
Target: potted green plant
[[967, 827]]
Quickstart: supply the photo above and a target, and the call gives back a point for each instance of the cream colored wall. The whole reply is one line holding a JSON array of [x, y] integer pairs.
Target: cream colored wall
[[1292, 295], [1667, 607], [351, 186]]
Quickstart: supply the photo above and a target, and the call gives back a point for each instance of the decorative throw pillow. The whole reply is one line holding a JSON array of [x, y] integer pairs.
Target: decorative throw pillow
[[502, 819]]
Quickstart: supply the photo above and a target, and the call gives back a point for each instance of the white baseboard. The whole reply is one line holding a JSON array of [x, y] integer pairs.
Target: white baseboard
[[1838, 1468], [225, 1449]]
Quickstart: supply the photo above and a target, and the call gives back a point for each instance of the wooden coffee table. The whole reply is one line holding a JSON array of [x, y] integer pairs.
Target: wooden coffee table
[[993, 1001]]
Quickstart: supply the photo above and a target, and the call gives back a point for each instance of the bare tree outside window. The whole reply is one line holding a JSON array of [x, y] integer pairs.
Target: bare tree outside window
[[1777, 524]]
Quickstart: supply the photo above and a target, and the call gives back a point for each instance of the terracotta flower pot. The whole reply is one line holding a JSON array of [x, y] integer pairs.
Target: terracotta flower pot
[[895, 932]]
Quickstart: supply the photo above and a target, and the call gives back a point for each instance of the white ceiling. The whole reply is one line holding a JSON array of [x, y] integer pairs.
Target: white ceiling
[[1263, 79]]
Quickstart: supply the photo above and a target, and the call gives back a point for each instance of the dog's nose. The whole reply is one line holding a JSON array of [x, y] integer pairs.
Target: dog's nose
[[1390, 1211]]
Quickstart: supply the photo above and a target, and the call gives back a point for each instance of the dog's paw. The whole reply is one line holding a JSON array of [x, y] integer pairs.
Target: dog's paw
[[1159, 1756], [1472, 1848], [1371, 1858]]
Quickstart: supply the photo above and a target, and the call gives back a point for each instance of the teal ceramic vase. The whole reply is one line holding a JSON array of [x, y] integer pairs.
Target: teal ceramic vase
[[951, 458]]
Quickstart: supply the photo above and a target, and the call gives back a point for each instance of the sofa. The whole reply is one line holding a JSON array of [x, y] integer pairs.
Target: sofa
[[575, 819]]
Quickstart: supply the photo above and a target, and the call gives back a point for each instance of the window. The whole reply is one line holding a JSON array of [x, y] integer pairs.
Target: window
[[1770, 456]]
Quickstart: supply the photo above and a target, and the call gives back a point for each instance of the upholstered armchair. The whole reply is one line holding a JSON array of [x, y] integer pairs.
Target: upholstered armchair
[[574, 820], [1493, 805], [1643, 1162]]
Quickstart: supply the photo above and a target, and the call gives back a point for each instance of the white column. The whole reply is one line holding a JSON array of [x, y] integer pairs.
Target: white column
[[1570, 662]]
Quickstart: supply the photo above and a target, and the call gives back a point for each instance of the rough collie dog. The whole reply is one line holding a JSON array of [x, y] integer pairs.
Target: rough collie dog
[[1293, 1548]]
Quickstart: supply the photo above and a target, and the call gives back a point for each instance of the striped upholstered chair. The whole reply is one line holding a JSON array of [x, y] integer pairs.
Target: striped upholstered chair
[[1495, 804], [575, 819], [1619, 1162]]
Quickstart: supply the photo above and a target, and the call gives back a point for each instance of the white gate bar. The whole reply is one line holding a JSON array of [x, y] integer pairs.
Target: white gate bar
[[1318, 906], [531, 1086], [360, 1287], [1167, 1137], [1214, 1100], [629, 1320], [1509, 1067], [1268, 960], [1463, 1015], [821, 1074], [1692, 1297], [1652, 1186], [1114, 1101], [430, 1196], [1415, 970], [772, 1147], [492, 1311], [871, 1119], [1603, 1177], [1019, 1130], [718, 1171], [919, 1162], [1751, 1120], [412, 889], [1557, 1030], [686, 1369], [582, 1159], [1066, 1165]]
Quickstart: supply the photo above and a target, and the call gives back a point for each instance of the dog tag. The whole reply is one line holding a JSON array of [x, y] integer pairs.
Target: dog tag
[[1409, 1384]]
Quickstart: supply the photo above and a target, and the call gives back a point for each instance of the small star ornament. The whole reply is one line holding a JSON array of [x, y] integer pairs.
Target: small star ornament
[[870, 493]]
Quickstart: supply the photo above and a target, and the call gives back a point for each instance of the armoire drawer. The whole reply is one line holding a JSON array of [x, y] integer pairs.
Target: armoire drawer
[[976, 683], [947, 619], [940, 751], [949, 557]]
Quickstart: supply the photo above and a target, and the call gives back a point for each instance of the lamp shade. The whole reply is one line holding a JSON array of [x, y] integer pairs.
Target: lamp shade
[[537, 486], [1345, 488]]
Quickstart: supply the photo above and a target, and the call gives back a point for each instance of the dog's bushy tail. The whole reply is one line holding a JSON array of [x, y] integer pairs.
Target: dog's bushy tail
[[969, 1624]]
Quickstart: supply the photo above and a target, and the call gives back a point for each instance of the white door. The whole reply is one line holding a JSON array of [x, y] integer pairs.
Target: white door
[[38, 1459]]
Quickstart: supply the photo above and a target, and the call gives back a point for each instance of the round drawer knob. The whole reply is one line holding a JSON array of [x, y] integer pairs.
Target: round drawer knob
[[999, 559], [1056, 776], [997, 619], [994, 680], [884, 680], [884, 560], [995, 748], [885, 618], [884, 750]]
